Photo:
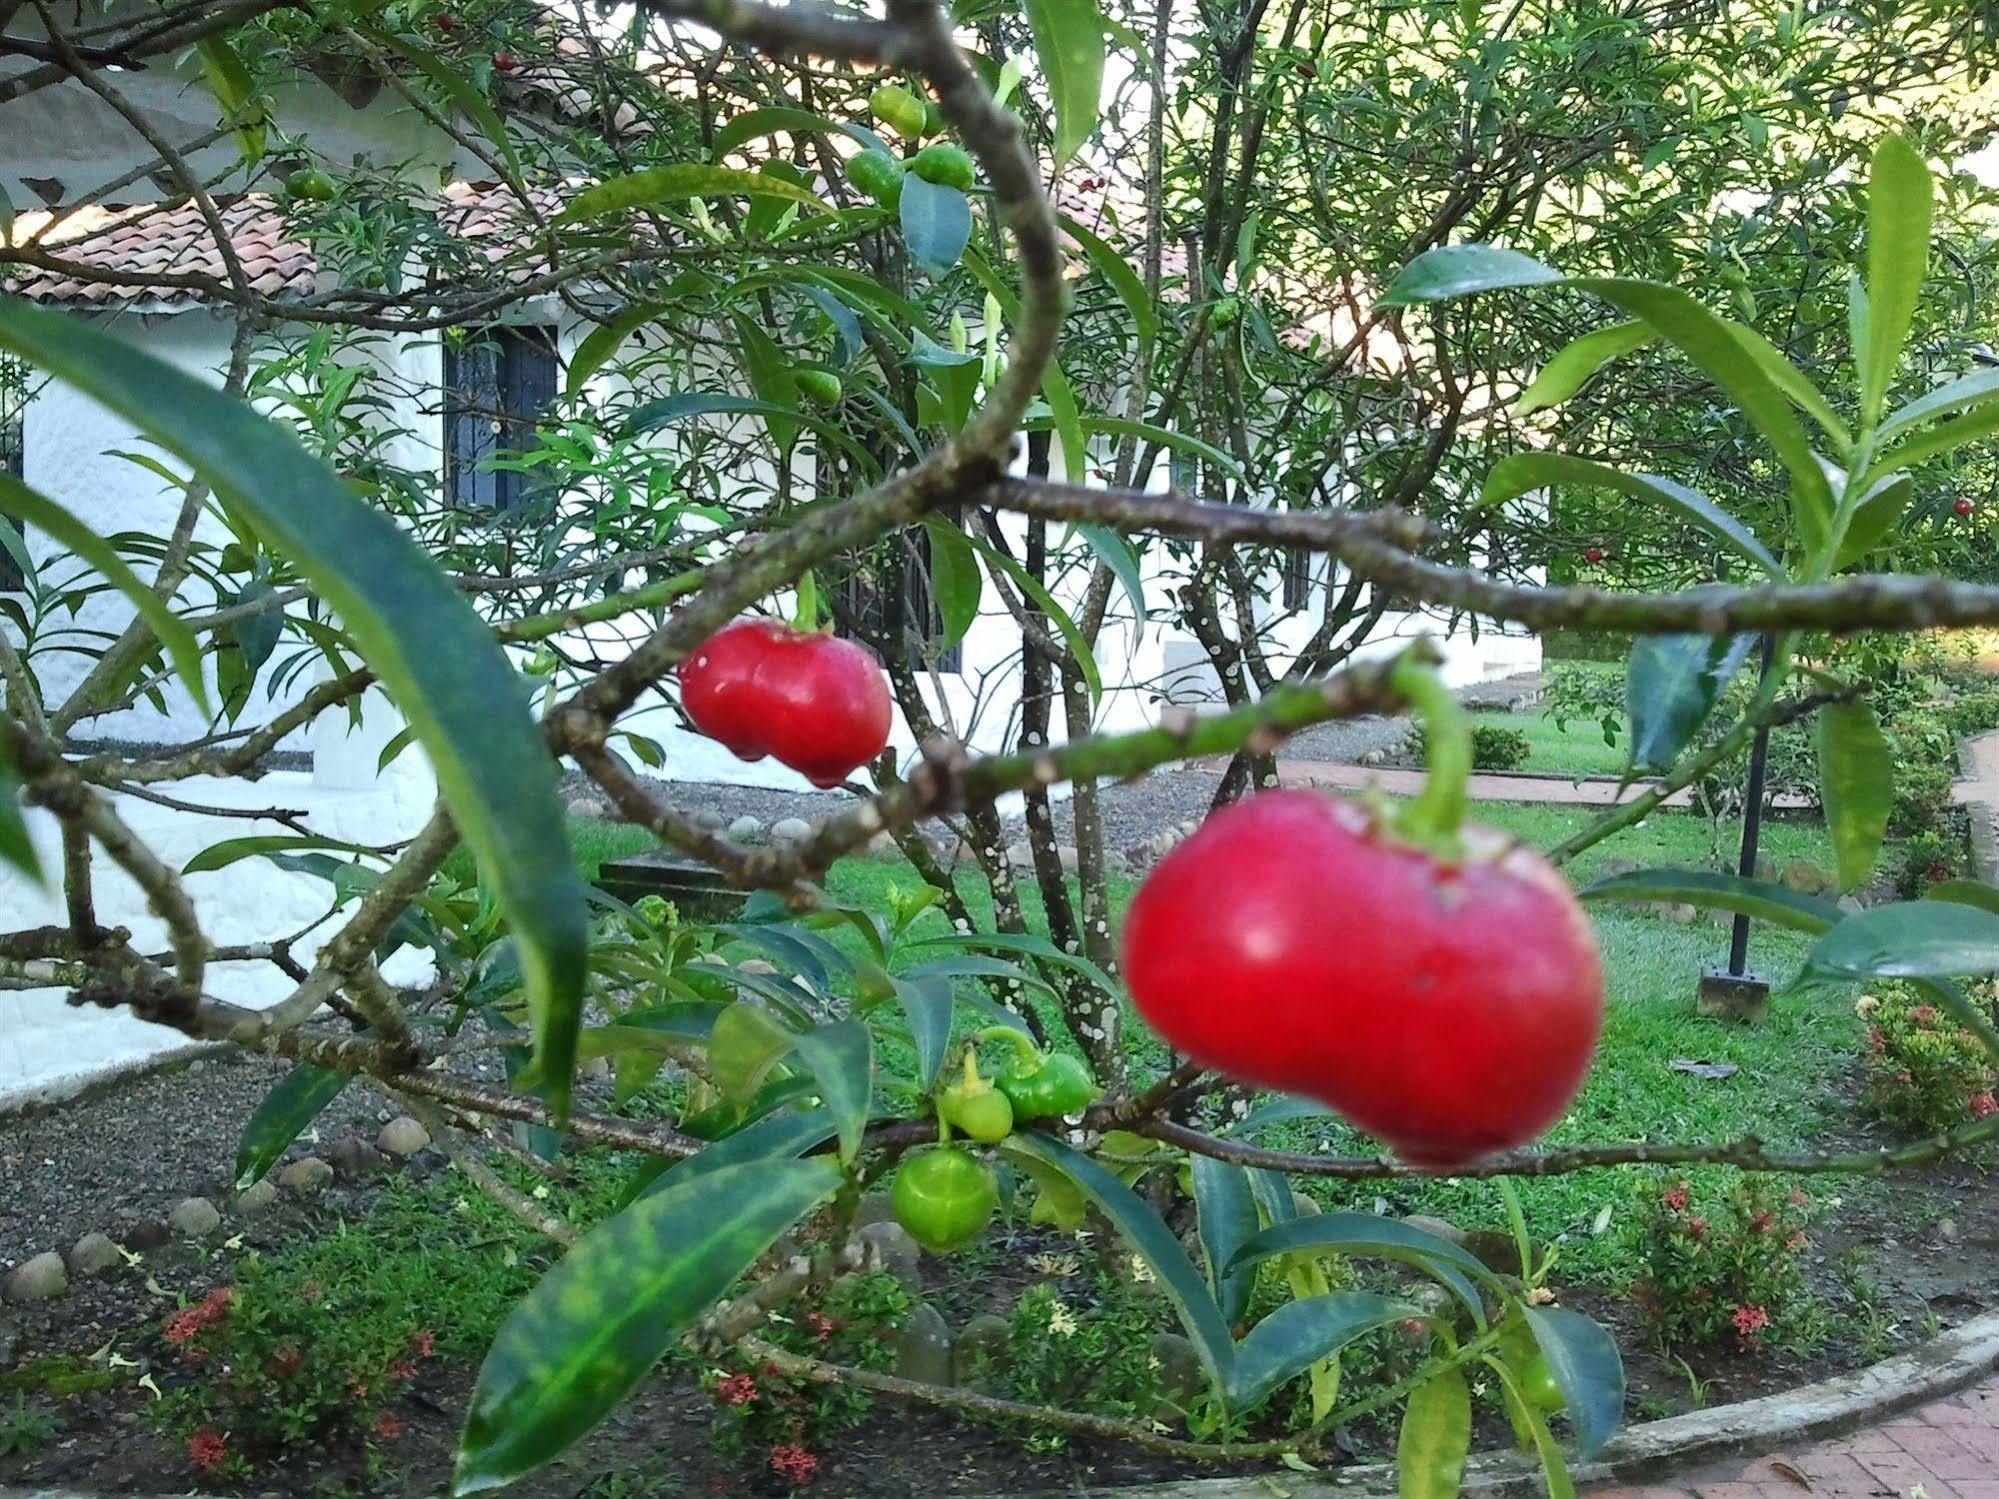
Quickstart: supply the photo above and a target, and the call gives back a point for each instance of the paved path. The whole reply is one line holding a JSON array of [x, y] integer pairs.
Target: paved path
[[1486, 786], [1949, 1450]]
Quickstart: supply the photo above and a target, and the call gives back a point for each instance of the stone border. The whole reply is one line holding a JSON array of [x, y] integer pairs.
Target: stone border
[[1933, 1370], [37, 1097], [1981, 815]]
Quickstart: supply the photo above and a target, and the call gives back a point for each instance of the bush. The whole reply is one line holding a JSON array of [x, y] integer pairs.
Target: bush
[[1090, 1353], [1925, 1072], [1493, 746], [1726, 1279]]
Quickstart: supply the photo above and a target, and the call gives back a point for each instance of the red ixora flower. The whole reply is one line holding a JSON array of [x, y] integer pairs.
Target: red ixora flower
[[822, 1326], [423, 1343], [1982, 1103], [1798, 1198], [1697, 1225], [794, 1464], [735, 1389], [1762, 1220], [183, 1325], [1750, 1320], [1797, 1240], [285, 1363], [207, 1450], [388, 1426], [1923, 1014], [1676, 1197]]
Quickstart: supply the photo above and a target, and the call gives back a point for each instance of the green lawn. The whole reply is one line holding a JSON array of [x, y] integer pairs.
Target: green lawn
[[1578, 751]]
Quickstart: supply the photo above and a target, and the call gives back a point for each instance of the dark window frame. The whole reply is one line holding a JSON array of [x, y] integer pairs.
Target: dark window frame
[[498, 384], [13, 451]]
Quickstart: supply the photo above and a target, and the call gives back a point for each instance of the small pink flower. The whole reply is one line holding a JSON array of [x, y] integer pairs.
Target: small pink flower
[[424, 1343], [1798, 1198], [1697, 1225], [794, 1464], [736, 1389], [1797, 1241], [1923, 1014], [1676, 1197], [388, 1426], [1761, 1220], [1983, 1103], [207, 1450], [183, 1325], [1750, 1320]]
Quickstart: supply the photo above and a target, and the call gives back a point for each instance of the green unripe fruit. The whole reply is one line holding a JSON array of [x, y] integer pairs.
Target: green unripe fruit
[[877, 174], [974, 1107], [933, 118], [1057, 1085], [899, 109], [820, 387], [1539, 1385], [945, 165], [313, 184], [944, 1199]]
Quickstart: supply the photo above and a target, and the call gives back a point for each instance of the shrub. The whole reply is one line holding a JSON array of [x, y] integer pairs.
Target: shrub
[[1925, 1072], [1083, 1353], [1493, 746], [1727, 1277]]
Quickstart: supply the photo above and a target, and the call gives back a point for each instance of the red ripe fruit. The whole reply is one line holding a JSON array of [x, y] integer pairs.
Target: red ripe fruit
[[506, 62], [1963, 507], [1593, 555], [1449, 1007], [814, 702], [445, 20]]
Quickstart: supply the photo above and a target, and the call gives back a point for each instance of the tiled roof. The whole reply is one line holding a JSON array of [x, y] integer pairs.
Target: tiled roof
[[126, 243]]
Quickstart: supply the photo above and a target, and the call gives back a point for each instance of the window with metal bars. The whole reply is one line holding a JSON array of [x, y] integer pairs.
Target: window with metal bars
[[13, 453], [496, 387], [1297, 572]]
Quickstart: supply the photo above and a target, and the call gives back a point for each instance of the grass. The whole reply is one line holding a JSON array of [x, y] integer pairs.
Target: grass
[[1578, 750]]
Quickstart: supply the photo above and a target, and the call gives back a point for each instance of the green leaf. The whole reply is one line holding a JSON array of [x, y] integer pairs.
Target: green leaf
[[16, 847], [1898, 257], [936, 224], [289, 1107], [1960, 395], [1521, 473], [782, 1135], [47, 516], [1563, 375], [1068, 419], [1975, 426], [841, 1058], [1153, 1241], [1126, 282], [1909, 939], [1435, 1439], [930, 1005], [428, 646], [1857, 784], [231, 850], [1788, 378], [1965, 893], [667, 411], [1118, 426], [234, 90], [597, 346], [579, 1342], [1069, 43], [743, 1047], [1672, 683], [1710, 889], [1227, 1218], [1121, 557], [751, 124], [955, 579], [1370, 1234], [1525, 1417], [451, 80], [1458, 270], [770, 376], [1027, 583], [1300, 1333], [1874, 516], [679, 180], [1586, 1364], [1027, 944]]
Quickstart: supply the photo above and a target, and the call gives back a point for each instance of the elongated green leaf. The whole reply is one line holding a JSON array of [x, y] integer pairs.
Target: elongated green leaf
[[1028, 945], [1069, 43], [841, 1058], [1121, 557], [454, 83], [16, 847], [230, 850], [581, 1339], [1459, 270], [668, 411], [1788, 378], [929, 1005], [1880, 508], [1965, 893], [1522, 473], [1435, 1439], [1975, 425], [1935, 939], [1563, 375], [1065, 625], [1898, 257], [677, 181], [1367, 1233], [231, 84], [1962, 394], [743, 1047], [1672, 683], [1711, 889], [425, 642], [602, 342], [1126, 282], [785, 1134], [1857, 783], [1227, 1218], [759, 122], [1586, 1364], [936, 224], [295, 1102], [1118, 426], [955, 579], [47, 516], [1153, 1241], [1300, 1333], [770, 376], [1068, 419], [1527, 1418]]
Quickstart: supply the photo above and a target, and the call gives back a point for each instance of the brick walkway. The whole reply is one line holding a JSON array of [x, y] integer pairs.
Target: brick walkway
[[1483, 787], [1949, 1450]]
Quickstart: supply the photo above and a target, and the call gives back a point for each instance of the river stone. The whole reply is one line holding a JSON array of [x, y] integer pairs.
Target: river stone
[[874, 1207], [402, 1138], [791, 830], [1495, 1249], [589, 806], [1449, 1232], [42, 1278], [891, 1248], [257, 1198], [984, 1341], [1807, 878], [746, 826], [710, 821], [354, 1158], [1178, 1370], [194, 1218], [923, 1347], [307, 1176], [94, 1254], [146, 1233]]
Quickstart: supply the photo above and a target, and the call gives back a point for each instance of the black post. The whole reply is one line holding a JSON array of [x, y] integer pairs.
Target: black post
[[1735, 993]]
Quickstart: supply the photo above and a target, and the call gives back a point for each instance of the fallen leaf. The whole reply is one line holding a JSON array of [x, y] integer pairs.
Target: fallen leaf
[[1784, 1470], [1704, 1069]]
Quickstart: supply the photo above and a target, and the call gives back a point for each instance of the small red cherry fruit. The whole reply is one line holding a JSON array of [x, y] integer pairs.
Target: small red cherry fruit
[[814, 702], [1593, 555], [1964, 507], [506, 62], [1448, 1006], [445, 20]]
